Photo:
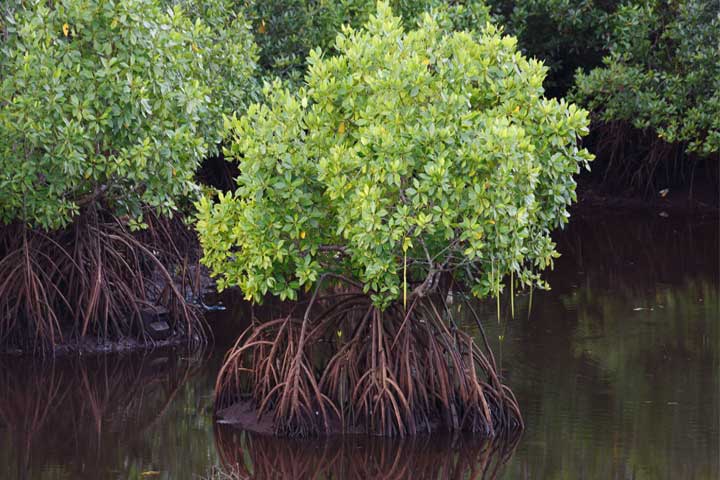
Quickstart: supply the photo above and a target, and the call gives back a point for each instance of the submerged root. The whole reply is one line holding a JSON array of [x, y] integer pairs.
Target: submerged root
[[354, 368], [93, 279]]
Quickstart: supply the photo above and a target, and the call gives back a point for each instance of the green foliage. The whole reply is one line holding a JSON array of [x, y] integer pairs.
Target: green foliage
[[286, 30], [662, 73], [565, 34], [111, 102], [229, 54], [426, 151]]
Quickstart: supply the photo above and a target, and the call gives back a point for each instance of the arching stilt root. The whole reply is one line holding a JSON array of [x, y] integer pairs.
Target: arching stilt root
[[94, 279], [356, 369], [83, 407]]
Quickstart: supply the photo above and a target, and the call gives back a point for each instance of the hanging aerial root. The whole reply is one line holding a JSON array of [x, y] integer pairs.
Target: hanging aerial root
[[94, 279], [355, 368]]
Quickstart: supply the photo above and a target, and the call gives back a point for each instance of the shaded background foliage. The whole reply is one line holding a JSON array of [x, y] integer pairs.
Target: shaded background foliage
[[662, 72], [661, 76], [286, 31], [648, 70], [566, 35]]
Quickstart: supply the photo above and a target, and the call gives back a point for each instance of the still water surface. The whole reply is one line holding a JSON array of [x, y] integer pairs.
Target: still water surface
[[616, 371]]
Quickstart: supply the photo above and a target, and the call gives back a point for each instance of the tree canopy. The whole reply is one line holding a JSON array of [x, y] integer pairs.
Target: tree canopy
[[406, 155], [110, 102]]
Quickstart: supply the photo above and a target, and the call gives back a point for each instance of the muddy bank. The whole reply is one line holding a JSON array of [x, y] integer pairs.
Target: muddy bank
[[243, 416], [93, 346]]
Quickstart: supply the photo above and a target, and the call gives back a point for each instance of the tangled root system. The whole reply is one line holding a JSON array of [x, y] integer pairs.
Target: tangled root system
[[354, 368], [247, 455], [94, 279]]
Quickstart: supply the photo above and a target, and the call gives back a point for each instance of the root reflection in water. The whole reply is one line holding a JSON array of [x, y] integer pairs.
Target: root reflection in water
[[83, 408], [248, 455]]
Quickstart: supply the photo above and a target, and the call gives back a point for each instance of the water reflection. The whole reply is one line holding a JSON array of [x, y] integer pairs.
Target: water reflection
[[83, 409], [616, 371], [247, 455]]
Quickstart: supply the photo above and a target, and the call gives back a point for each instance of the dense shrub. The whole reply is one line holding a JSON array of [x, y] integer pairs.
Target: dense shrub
[[648, 70], [408, 154], [111, 103], [662, 73], [286, 31], [107, 108]]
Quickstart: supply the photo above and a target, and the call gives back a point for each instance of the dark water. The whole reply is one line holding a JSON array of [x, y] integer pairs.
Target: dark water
[[616, 371]]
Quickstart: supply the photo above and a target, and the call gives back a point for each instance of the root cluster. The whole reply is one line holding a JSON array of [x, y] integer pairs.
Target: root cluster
[[356, 369], [93, 279]]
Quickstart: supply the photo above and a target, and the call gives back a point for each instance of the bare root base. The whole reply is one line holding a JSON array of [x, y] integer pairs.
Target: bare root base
[[355, 368], [247, 455], [94, 278]]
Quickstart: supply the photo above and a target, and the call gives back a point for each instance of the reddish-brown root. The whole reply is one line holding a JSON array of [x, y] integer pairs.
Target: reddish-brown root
[[354, 368], [94, 279]]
